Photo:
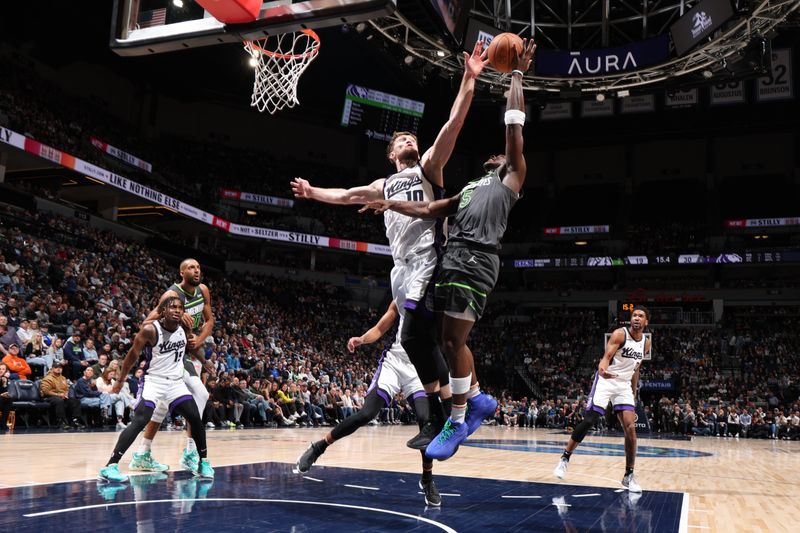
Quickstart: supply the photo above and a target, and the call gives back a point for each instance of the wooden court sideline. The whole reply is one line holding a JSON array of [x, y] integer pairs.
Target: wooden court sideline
[[744, 485]]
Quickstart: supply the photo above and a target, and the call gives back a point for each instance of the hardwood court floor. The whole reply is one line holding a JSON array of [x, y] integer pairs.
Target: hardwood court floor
[[732, 484]]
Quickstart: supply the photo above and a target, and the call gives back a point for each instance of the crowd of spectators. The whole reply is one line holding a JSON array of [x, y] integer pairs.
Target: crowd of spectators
[[194, 171], [72, 298]]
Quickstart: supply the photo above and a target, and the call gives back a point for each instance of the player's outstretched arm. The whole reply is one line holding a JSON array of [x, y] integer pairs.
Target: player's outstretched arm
[[145, 336], [435, 209], [377, 331], [354, 195], [435, 158], [515, 118]]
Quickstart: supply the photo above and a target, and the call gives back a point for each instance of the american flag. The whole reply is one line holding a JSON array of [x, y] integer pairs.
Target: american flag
[[155, 17]]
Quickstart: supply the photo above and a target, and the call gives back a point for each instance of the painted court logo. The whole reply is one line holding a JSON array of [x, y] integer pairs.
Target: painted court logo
[[587, 448]]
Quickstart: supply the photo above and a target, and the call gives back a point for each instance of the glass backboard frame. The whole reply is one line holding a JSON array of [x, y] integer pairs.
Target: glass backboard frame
[[274, 18]]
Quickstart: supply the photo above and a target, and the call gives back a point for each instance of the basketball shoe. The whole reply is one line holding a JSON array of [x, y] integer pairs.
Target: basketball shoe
[[478, 408], [204, 470], [308, 458], [446, 443], [432, 496], [629, 482], [190, 460], [561, 470], [144, 461], [112, 474]]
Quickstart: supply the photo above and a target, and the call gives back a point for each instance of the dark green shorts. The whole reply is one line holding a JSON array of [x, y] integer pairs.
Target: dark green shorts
[[466, 278]]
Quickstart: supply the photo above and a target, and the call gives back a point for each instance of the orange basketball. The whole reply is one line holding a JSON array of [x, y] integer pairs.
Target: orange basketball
[[501, 51]]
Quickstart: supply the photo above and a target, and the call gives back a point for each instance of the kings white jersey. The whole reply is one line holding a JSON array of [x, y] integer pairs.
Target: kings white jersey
[[628, 358], [165, 359], [408, 236]]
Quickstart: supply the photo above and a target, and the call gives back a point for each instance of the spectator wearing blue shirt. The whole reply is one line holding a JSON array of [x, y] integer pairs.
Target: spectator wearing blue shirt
[[73, 355], [86, 392]]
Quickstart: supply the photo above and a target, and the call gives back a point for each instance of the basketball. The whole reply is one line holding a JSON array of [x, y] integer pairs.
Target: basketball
[[501, 51]]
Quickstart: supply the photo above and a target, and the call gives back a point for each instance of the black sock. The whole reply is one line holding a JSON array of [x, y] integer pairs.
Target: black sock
[[320, 446], [115, 457], [436, 409], [628, 470], [566, 455], [447, 405], [427, 476]]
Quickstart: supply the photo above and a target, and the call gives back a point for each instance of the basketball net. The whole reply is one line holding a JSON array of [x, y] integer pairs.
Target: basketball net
[[280, 61]]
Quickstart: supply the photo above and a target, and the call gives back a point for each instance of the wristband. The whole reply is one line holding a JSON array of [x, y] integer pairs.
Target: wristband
[[514, 116], [517, 71]]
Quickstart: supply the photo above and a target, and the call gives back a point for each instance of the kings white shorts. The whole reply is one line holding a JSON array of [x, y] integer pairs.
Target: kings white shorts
[[616, 391], [395, 374], [197, 390], [412, 282]]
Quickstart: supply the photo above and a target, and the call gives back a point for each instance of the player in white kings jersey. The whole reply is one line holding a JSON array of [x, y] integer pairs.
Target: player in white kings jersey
[[163, 381], [616, 381], [414, 243]]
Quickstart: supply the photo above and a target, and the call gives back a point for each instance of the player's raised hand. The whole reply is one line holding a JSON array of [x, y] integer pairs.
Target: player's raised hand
[[354, 343], [474, 63], [301, 188], [379, 206], [523, 61]]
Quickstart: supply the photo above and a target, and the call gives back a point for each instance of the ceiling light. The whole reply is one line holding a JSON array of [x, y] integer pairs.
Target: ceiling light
[[440, 53], [623, 93], [251, 212], [408, 60], [581, 243], [177, 3], [253, 62], [600, 97]]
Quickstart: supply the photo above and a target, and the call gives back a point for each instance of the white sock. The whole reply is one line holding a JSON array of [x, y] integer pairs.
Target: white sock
[[144, 447], [474, 391], [190, 446], [458, 413]]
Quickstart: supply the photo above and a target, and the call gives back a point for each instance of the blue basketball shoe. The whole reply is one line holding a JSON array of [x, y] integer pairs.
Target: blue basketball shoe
[[478, 408], [446, 443]]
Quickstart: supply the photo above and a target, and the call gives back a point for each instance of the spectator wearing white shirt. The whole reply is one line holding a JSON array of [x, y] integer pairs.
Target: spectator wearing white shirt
[[24, 333], [734, 426]]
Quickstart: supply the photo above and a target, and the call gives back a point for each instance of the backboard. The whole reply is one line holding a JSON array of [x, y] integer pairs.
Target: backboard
[[142, 27]]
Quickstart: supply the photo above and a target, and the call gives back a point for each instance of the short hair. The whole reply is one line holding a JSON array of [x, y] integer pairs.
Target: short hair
[[162, 307], [185, 261], [395, 135], [643, 309]]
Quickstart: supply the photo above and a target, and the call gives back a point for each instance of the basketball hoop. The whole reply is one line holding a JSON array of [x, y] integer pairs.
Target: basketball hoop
[[280, 61]]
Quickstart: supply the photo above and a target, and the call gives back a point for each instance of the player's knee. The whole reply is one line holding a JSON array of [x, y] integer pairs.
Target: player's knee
[[583, 427], [629, 426], [141, 416]]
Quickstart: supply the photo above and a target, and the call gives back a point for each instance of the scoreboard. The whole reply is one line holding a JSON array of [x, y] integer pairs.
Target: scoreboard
[[380, 114]]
